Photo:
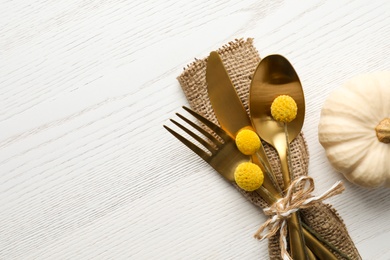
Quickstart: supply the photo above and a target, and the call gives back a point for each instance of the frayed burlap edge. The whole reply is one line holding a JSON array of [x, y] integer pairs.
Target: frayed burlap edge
[[241, 59]]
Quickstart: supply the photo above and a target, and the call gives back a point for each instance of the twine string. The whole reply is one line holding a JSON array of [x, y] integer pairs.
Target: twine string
[[294, 200]]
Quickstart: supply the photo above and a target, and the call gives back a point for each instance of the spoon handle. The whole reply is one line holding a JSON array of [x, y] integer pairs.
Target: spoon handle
[[281, 147], [297, 242]]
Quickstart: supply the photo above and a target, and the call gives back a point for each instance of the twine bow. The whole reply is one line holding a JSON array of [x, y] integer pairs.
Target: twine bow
[[292, 202]]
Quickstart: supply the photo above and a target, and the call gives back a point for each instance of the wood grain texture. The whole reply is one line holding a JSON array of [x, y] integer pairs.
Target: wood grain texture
[[86, 169]]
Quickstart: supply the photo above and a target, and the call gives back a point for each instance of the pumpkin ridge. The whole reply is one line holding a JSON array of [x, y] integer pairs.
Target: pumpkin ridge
[[330, 141], [347, 114], [377, 176], [368, 98], [340, 107], [342, 160]]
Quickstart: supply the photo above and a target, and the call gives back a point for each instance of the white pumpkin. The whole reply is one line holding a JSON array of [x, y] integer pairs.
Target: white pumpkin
[[354, 129]]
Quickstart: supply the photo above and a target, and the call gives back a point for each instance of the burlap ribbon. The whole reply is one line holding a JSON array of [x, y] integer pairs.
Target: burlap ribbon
[[240, 59]]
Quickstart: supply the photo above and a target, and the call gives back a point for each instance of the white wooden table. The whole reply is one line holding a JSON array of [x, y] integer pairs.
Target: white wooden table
[[87, 170]]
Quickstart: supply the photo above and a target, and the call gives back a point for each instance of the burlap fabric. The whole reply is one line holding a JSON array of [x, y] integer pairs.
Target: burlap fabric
[[241, 59]]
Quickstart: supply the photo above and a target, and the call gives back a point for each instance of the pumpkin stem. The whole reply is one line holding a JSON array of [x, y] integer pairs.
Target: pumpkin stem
[[383, 131]]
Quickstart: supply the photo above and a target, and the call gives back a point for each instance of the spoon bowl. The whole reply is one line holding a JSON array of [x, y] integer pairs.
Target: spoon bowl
[[275, 76]]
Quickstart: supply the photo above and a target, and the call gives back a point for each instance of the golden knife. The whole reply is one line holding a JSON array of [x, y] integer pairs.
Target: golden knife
[[229, 110]]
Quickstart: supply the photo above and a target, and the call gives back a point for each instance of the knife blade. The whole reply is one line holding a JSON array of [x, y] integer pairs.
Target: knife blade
[[230, 111], [223, 97]]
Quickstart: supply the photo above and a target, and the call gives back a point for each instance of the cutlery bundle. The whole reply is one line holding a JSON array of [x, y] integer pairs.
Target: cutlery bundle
[[313, 230]]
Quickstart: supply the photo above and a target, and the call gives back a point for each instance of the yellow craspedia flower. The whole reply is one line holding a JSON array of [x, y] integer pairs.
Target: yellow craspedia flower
[[284, 109], [248, 176], [247, 141]]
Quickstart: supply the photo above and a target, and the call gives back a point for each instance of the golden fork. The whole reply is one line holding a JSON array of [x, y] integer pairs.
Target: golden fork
[[224, 157]]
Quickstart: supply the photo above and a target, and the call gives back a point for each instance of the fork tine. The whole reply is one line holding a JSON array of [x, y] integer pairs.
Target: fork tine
[[219, 131], [189, 144], [200, 129], [195, 136]]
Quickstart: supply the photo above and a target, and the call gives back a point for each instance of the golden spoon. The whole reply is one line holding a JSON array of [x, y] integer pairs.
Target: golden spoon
[[273, 77]]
